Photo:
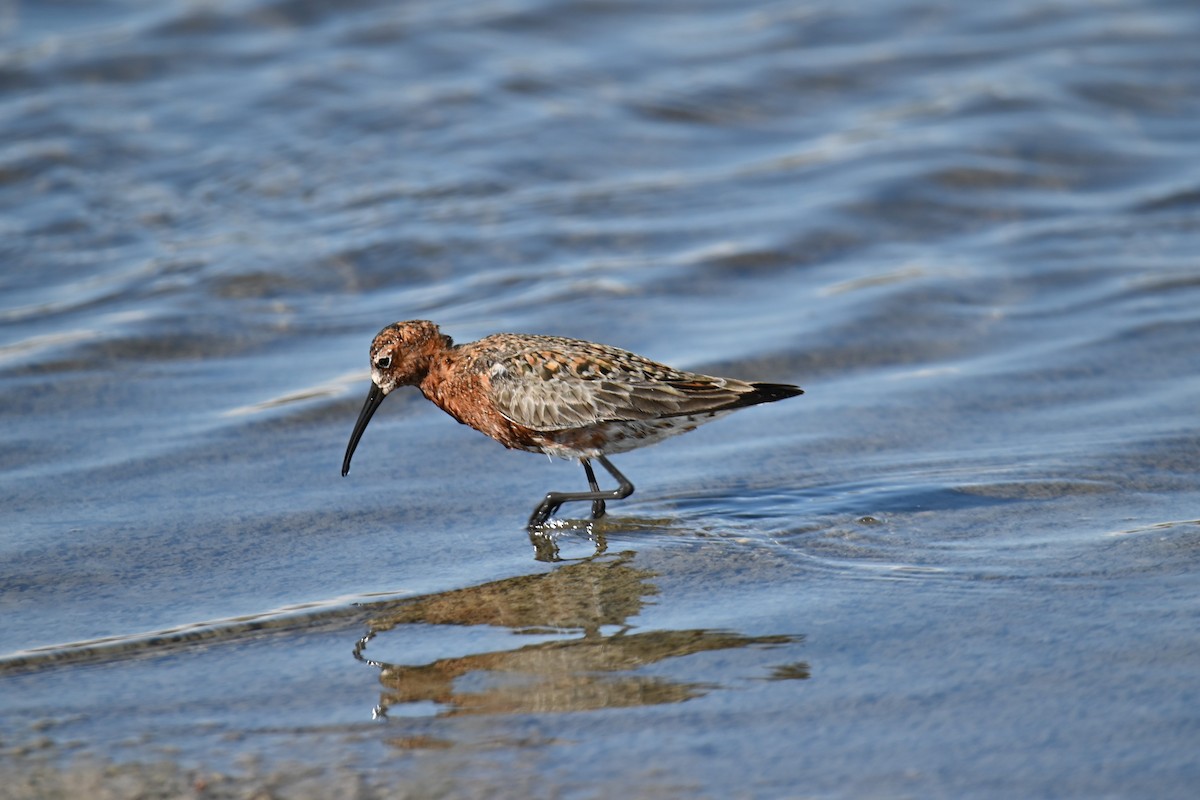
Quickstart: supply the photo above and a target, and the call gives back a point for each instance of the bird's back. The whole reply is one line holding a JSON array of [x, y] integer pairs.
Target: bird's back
[[584, 397]]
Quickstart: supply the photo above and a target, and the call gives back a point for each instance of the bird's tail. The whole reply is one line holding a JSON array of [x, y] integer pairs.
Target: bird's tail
[[769, 393]]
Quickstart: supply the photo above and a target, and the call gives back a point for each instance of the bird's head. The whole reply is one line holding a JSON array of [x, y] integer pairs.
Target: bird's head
[[400, 356]]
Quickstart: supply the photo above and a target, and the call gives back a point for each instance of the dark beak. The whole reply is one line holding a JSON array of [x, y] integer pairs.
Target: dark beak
[[374, 398]]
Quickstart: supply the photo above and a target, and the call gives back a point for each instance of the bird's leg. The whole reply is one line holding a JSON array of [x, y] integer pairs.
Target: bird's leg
[[554, 500], [624, 487], [597, 505]]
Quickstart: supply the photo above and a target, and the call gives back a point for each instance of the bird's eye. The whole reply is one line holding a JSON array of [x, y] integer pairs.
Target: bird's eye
[[383, 362]]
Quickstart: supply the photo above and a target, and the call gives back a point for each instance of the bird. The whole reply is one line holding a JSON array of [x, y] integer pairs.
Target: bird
[[566, 398]]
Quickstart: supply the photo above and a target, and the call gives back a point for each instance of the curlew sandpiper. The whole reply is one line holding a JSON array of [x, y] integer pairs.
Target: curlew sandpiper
[[563, 397]]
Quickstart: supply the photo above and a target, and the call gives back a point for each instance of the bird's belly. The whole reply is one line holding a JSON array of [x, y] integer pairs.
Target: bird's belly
[[608, 438]]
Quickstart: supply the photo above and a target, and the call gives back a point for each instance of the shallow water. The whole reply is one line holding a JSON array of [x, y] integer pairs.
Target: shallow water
[[964, 563]]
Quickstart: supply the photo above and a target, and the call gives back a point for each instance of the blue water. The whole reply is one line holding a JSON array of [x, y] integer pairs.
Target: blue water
[[965, 563]]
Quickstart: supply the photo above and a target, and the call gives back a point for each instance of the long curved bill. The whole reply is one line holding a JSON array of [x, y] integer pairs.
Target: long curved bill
[[374, 398]]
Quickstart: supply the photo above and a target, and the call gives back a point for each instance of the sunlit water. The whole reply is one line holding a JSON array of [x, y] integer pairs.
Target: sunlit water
[[964, 563]]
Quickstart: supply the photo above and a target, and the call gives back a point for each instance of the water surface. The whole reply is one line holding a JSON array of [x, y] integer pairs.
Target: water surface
[[964, 563]]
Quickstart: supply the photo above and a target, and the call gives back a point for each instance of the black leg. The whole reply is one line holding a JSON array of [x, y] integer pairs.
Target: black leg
[[624, 487], [554, 500], [597, 505]]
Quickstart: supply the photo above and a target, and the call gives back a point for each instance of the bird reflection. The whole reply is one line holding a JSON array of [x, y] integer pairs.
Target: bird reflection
[[595, 670], [545, 543]]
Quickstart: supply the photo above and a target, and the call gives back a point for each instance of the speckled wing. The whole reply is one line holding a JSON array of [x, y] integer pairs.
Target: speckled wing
[[563, 383]]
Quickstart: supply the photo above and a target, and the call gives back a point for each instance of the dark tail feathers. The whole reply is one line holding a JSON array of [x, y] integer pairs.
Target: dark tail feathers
[[769, 393]]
